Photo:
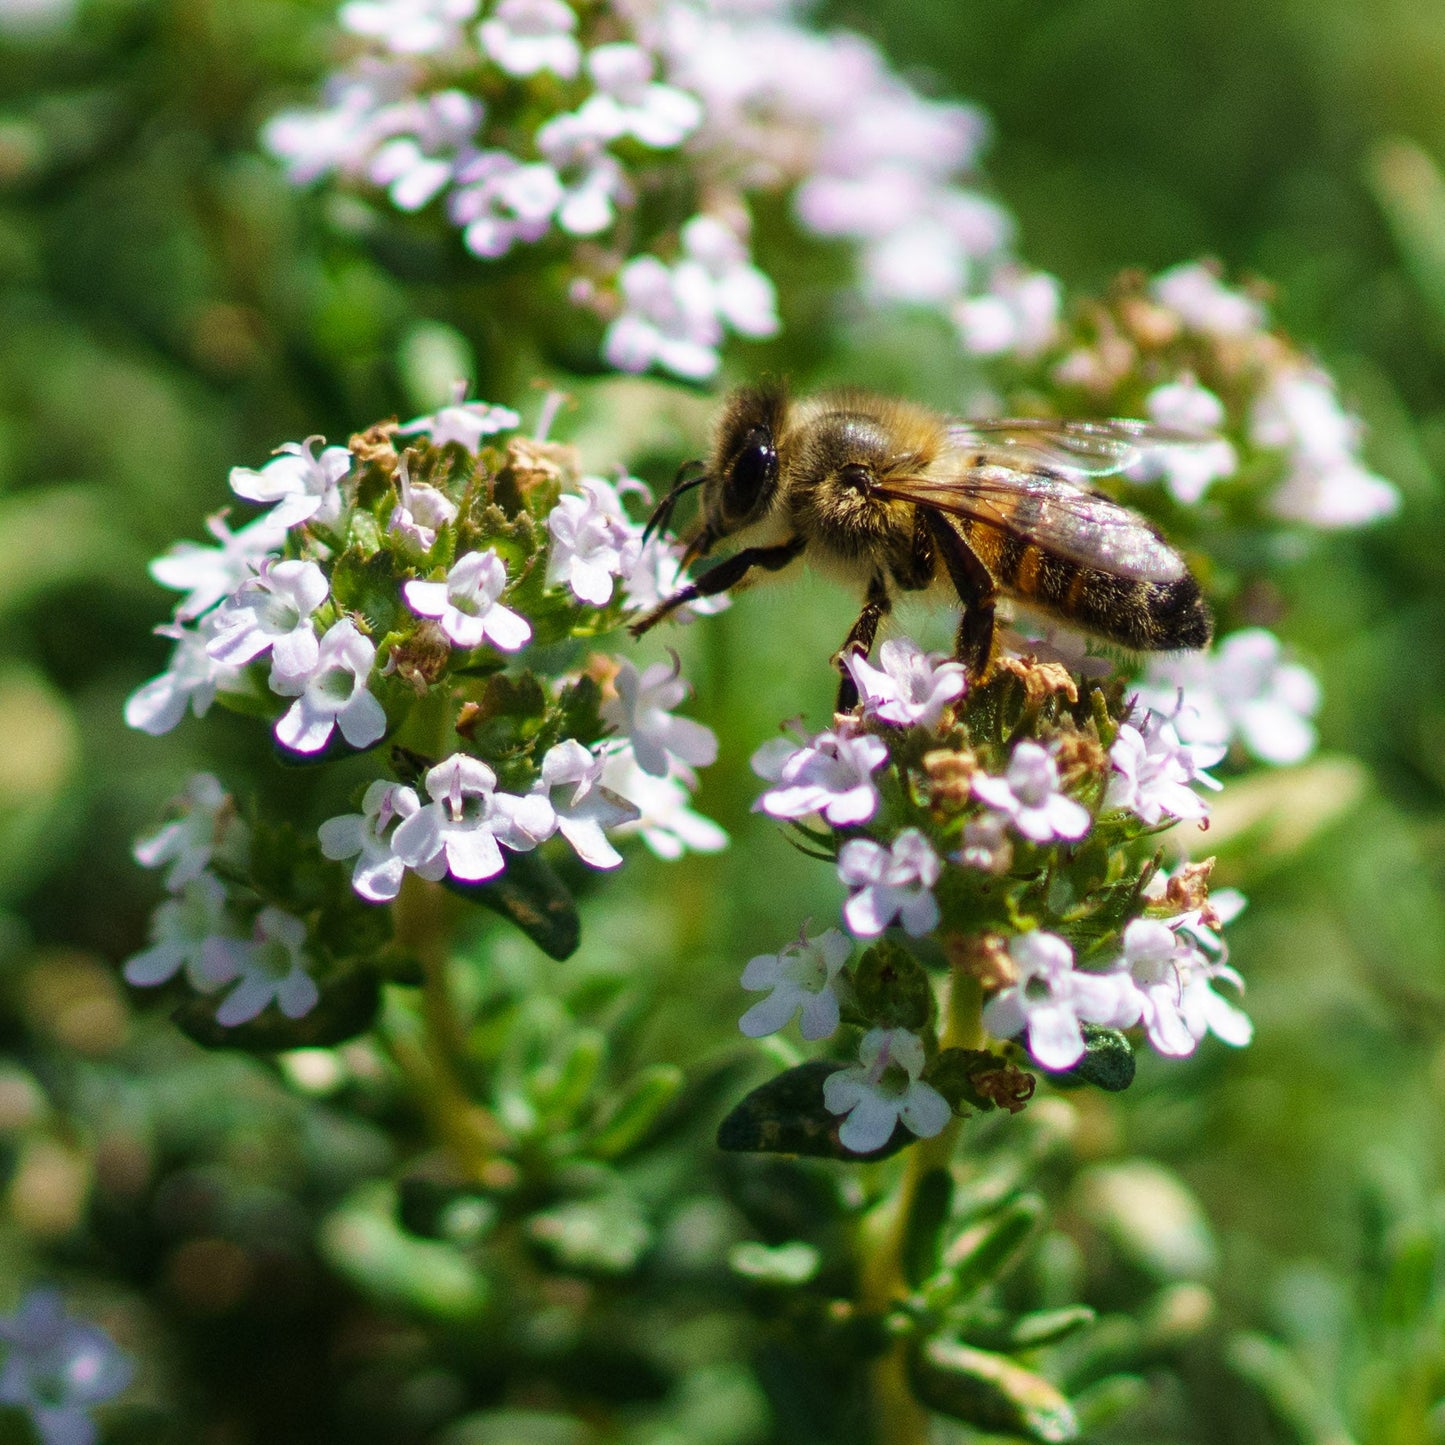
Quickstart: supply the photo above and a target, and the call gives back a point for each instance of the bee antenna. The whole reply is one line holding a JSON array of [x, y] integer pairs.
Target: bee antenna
[[662, 513]]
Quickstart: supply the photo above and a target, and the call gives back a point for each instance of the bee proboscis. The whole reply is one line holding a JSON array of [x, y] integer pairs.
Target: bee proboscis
[[898, 498]]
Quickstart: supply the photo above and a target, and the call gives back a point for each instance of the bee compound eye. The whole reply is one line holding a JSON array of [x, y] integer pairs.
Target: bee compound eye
[[753, 473]]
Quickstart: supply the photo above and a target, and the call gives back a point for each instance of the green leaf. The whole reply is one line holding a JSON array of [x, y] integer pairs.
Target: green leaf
[[990, 1392], [923, 1230], [793, 1263], [364, 1243], [891, 989], [786, 1116], [1013, 1333], [346, 1008], [1108, 1062], [988, 1250], [603, 1236], [530, 895], [637, 1111], [369, 586]]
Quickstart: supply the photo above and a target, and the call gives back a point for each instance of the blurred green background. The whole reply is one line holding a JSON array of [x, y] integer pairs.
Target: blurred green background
[[169, 308]]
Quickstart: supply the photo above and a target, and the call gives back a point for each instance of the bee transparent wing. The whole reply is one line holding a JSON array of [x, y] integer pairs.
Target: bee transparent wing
[[1050, 511], [1069, 446]]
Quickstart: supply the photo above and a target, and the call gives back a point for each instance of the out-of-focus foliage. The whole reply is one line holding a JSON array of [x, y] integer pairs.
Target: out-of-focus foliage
[[169, 308]]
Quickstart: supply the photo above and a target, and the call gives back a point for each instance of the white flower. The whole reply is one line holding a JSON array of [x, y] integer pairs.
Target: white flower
[[656, 575], [1204, 303], [466, 603], [742, 295], [895, 882], [525, 36], [913, 687], [661, 325], [1300, 413], [831, 775], [409, 27], [1028, 794], [368, 836], [628, 101], [800, 977], [1186, 469], [665, 822], [500, 201], [572, 782], [56, 1368], [304, 486], [272, 612], [882, 1088], [462, 422], [642, 713], [1172, 978], [592, 542], [420, 512], [986, 844], [669, 319], [187, 842], [466, 820], [188, 931], [1243, 689], [1153, 770], [191, 680], [209, 574], [1017, 316], [593, 181], [333, 695], [1051, 997], [270, 967]]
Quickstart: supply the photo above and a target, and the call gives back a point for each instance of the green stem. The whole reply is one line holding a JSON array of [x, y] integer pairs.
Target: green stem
[[470, 1132], [898, 1417]]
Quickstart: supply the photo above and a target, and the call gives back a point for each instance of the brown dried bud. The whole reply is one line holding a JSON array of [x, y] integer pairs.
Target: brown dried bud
[[1152, 326], [1078, 755], [950, 775], [1008, 1086], [981, 956], [375, 446], [1040, 679], [422, 659], [603, 670], [1188, 890]]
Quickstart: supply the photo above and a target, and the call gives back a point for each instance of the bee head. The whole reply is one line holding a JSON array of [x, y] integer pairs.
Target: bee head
[[742, 475]]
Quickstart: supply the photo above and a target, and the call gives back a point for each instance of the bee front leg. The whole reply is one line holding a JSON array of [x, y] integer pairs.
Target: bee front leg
[[876, 606], [726, 574], [973, 644]]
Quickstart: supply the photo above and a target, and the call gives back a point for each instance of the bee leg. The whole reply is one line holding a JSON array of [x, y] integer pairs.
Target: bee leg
[[973, 645], [876, 606], [726, 574]]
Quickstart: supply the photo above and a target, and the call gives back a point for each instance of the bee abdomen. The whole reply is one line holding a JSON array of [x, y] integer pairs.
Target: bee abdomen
[[1146, 616]]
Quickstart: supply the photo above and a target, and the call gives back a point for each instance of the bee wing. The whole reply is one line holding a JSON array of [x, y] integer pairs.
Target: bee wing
[[1066, 445], [1051, 511]]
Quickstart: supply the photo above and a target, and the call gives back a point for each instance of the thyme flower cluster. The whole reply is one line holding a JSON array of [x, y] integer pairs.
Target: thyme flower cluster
[[394, 592], [527, 122]]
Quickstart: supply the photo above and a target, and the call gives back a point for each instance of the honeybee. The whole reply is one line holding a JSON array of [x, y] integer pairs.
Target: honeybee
[[896, 498]]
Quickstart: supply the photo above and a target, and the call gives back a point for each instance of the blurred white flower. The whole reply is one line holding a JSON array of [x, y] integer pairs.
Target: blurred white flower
[[462, 422], [665, 822], [1204, 303], [269, 967], [410, 27], [593, 542], [571, 780], [209, 574], [642, 713], [527, 36], [1186, 469], [304, 486], [1153, 771], [1018, 315], [1243, 689], [187, 842], [369, 836]]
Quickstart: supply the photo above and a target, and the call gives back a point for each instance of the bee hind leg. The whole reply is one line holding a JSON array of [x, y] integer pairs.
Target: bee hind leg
[[973, 644], [876, 606]]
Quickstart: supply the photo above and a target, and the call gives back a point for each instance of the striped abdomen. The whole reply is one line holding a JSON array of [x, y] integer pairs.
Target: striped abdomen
[[1150, 616]]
